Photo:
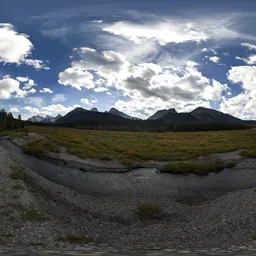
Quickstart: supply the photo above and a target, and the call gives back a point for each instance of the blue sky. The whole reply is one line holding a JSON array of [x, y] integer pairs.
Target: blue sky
[[137, 56]]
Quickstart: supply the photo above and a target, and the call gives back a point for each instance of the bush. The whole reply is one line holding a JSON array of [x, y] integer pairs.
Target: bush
[[76, 239], [197, 168], [249, 153], [33, 215], [146, 210], [18, 187]]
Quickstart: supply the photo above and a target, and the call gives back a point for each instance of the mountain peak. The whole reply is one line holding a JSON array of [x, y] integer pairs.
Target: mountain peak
[[161, 113], [112, 110], [94, 110]]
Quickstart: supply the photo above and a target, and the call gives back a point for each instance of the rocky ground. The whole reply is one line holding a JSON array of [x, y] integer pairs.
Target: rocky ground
[[38, 215]]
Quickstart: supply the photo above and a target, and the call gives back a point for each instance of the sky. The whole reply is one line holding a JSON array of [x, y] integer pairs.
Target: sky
[[136, 56]]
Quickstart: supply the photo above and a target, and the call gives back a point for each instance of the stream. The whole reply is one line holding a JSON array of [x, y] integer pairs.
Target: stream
[[138, 182]]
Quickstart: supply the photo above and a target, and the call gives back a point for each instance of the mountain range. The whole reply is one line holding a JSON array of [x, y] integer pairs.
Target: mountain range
[[41, 119], [199, 115]]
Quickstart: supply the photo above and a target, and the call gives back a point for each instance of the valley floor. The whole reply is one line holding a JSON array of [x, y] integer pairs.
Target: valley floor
[[37, 214]]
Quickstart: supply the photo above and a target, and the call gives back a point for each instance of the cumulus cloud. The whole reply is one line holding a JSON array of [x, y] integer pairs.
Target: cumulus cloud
[[22, 79], [89, 102], [214, 59], [245, 75], [52, 110], [10, 87], [59, 97], [249, 46], [76, 78], [250, 60], [242, 105], [30, 83], [16, 47], [37, 64], [183, 84], [46, 90]]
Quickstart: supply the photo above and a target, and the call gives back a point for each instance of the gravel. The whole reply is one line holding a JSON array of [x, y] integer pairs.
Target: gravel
[[112, 222]]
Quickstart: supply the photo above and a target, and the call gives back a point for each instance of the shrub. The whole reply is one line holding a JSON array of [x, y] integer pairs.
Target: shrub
[[197, 168], [33, 215], [19, 174], [146, 210], [75, 239], [249, 153], [18, 187]]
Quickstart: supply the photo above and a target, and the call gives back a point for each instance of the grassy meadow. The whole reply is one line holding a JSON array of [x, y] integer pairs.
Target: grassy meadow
[[138, 146]]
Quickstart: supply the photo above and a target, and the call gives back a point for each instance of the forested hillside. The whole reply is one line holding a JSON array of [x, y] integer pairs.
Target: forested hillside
[[8, 122]]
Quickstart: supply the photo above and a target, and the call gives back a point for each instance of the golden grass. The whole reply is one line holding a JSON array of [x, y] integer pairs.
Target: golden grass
[[132, 146]]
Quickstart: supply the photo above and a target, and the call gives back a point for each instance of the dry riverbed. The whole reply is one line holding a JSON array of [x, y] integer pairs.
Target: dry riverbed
[[36, 213]]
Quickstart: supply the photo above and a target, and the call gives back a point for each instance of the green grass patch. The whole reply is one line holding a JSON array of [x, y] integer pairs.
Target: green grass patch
[[197, 168], [40, 147], [75, 239], [18, 187], [146, 210], [33, 215], [135, 146]]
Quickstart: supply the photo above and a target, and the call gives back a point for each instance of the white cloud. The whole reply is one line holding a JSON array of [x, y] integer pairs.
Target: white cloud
[[249, 46], [251, 60], [245, 75], [86, 101], [37, 64], [14, 110], [76, 78], [35, 101], [242, 105], [8, 86], [22, 79], [100, 89], [89, 102], [30, 83], [214, 59], [97, 21], [178, 30], [52, 110], [16, 47], [209, 50], [46, 90], [32, 91], [59, 97], [214, 92], [163, 32], [179, 84]]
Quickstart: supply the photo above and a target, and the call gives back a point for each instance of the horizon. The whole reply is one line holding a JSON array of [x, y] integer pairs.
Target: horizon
[[108, 111], [136, 57]]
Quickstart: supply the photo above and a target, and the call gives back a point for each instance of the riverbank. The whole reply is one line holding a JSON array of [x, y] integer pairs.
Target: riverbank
[[112, 222]]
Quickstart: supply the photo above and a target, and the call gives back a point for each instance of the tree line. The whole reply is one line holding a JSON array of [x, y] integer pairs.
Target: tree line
[[8, 122], [147, 126]]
